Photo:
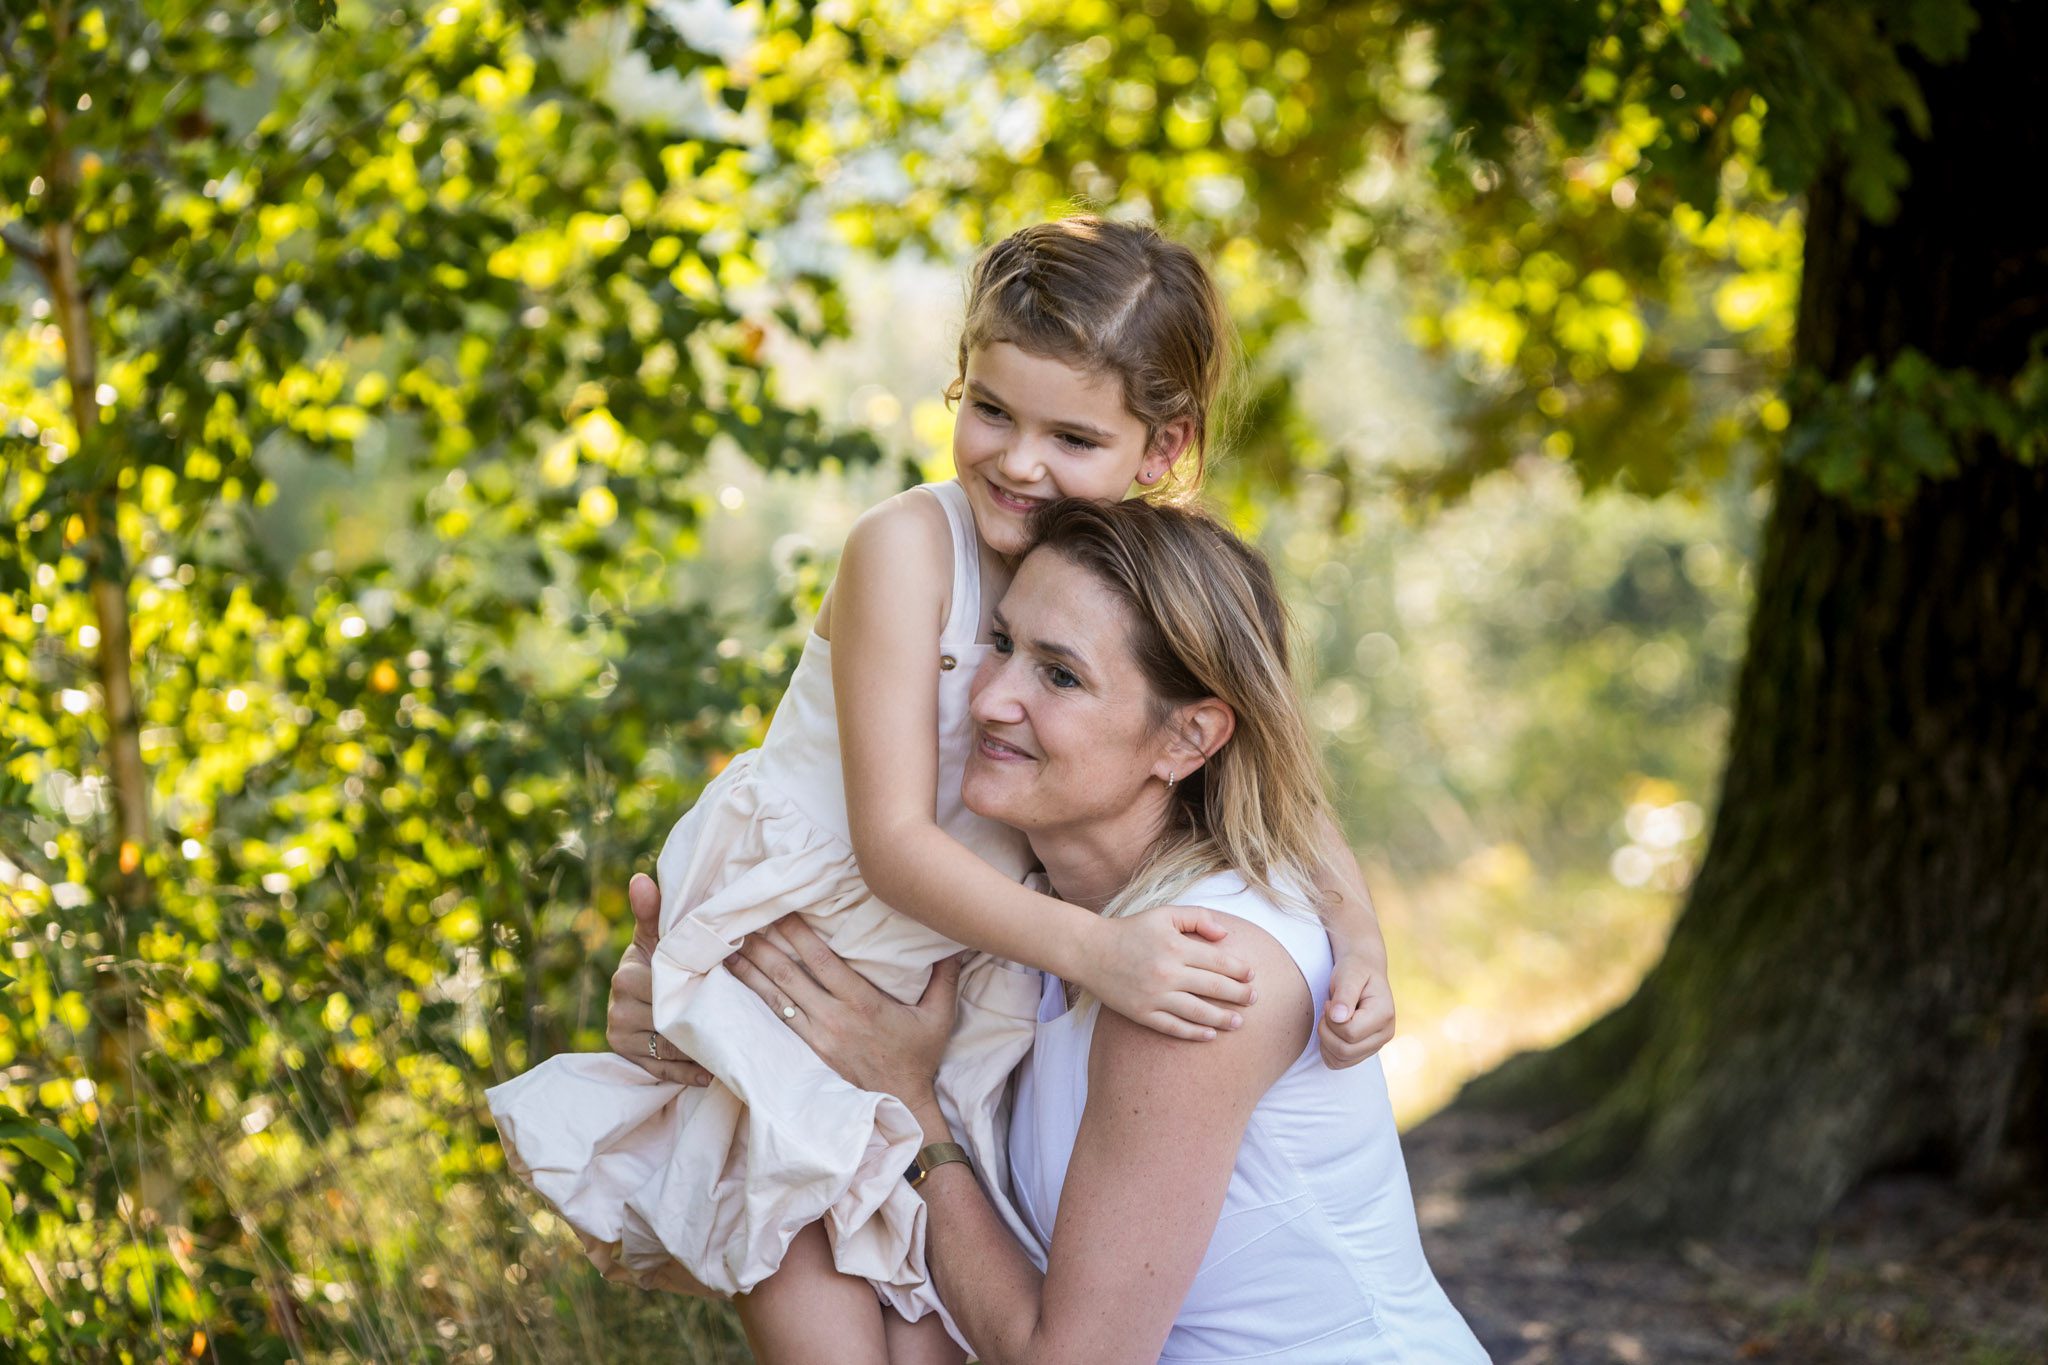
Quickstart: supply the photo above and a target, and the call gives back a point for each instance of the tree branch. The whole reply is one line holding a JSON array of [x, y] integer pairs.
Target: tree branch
[[26, 249]]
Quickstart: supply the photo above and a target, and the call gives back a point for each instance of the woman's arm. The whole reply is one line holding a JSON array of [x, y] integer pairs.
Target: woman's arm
[[888, 606], [1146, 1180], [1358, 1019]]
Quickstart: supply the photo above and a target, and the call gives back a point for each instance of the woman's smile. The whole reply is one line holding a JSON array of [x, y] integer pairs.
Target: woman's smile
[[998, 751]]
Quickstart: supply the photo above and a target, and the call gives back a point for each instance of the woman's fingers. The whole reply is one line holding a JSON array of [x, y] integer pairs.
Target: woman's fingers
[[942, 992], [644, 898], [629, 1027], [748, 965], [676, 1073], [825, 966]]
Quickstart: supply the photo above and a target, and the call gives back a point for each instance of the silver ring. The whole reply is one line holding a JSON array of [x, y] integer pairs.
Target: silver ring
[[654, 1045], [789, 1011]]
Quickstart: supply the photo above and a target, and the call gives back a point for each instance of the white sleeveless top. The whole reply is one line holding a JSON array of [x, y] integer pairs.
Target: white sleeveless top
[[1316, 1258], [800, 755]]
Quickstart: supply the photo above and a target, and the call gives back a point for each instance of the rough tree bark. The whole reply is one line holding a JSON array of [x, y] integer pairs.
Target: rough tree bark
[[1859, 979]]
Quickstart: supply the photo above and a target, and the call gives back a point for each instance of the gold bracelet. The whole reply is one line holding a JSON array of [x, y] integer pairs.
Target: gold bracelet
[[931, 1158]]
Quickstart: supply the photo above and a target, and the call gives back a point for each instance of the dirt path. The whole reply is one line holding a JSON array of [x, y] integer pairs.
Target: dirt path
[[1907, 1271]]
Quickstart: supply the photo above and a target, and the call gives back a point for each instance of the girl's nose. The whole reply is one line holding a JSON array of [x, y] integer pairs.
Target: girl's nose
[[1020, 463]]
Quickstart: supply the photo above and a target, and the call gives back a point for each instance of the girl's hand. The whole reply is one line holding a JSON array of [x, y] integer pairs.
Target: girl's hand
[[873, 1040], [629, 1013], [1162, 969], [1358, 1020]]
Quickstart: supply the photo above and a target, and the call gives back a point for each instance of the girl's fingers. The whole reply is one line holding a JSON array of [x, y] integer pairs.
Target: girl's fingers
[[1175, 1027], [1370, 1017], [1203, 1013], [1340, 1052], [1210, 959], [1227, 990], [1195, 919]]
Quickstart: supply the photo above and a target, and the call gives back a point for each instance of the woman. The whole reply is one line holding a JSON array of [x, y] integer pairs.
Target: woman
[[1231, 1200]]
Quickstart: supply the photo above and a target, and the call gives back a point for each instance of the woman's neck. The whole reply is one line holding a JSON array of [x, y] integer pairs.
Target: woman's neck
[[1087, 867]]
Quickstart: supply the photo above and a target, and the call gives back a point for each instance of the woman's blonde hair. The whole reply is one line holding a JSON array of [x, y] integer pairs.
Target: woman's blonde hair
[[1208, 622], [1111, 298]]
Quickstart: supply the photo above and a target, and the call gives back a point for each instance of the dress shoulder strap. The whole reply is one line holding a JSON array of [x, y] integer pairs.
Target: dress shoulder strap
[[964, 616]]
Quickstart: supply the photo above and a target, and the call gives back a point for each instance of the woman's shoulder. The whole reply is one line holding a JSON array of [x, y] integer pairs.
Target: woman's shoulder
[[1242, 1061], [1285, 910]]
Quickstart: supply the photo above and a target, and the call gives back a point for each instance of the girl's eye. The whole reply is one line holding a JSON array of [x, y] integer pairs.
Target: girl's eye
[[1000, 641], [1061, 678], [990, 411], [1078, 442]]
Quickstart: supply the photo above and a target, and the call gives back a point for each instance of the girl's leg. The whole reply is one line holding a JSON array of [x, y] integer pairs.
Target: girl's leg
[[923, 1342], [807, 1311]]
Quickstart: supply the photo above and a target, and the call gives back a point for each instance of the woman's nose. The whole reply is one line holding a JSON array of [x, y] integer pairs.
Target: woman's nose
[[990, 700]]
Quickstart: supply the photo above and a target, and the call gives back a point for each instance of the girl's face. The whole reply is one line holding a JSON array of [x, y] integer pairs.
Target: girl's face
[[1033, 430]]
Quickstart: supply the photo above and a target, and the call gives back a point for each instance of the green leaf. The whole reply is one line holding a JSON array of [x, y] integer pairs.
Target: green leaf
[[48, 1147], [1704, 34]]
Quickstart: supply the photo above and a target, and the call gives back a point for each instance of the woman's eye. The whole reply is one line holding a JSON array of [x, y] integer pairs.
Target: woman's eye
[[1000, 641], [1061, 678]]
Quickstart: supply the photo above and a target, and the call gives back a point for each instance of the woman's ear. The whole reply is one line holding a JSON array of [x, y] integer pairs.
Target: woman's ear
[[1169, 443], [1199, 730]]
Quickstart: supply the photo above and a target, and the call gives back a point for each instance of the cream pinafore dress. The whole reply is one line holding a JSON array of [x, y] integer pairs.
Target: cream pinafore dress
[[700, 1189]]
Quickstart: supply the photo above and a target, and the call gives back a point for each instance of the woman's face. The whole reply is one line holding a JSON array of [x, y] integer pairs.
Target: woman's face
[[1033, 430], [1063, 718]]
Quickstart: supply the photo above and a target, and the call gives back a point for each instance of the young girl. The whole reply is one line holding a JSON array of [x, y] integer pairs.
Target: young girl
[[1090, 359]]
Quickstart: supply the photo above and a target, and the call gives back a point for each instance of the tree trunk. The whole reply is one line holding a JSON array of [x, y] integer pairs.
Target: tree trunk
[[106, 563], [1859, 980]]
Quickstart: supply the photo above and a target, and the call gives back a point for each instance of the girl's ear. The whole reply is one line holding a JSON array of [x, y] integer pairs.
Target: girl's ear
[[1169, 443], [1199, 730]]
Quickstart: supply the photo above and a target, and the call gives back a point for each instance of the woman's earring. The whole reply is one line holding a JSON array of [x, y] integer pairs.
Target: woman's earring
[[1171, 778]]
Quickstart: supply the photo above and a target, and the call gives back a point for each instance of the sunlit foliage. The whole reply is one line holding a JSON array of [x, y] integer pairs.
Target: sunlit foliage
[[480, 287]]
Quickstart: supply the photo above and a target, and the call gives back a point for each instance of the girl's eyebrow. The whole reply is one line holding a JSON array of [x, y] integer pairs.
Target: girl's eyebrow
[[978, 390]]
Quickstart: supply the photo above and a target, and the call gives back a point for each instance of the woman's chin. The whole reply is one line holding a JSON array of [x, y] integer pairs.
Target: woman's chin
[[981, 790]]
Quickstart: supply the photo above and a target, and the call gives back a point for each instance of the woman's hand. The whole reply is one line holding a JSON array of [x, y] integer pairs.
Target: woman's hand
[[629, 1013], [1162, 969], [873, 1040], [1358, 1018]]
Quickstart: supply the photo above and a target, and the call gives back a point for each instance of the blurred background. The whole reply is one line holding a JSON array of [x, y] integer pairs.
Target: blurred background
[[429, 431]]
